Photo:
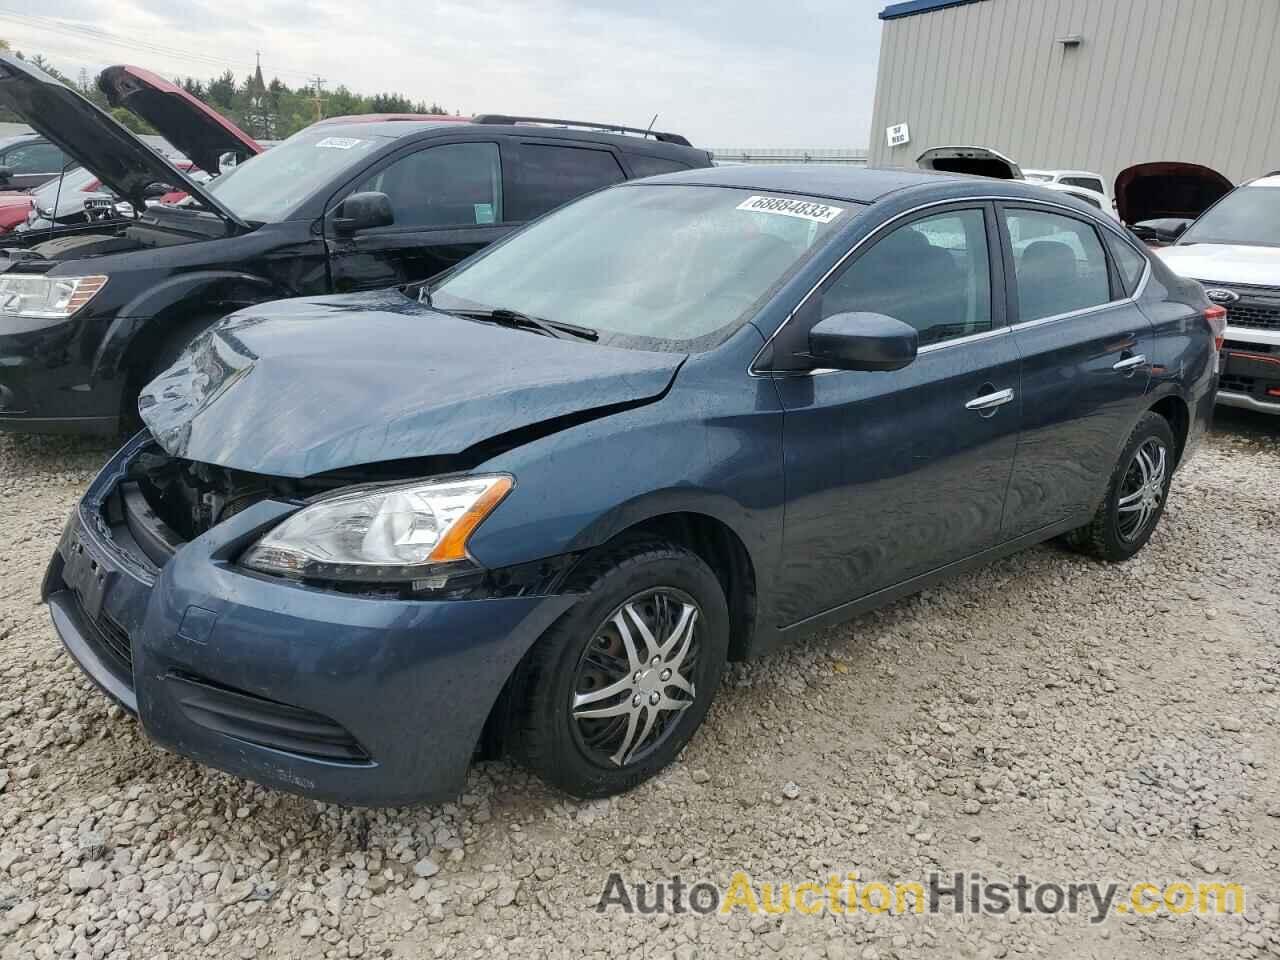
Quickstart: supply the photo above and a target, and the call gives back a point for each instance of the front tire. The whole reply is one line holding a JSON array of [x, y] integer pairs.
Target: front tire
[[1136, 495], [616, 688]]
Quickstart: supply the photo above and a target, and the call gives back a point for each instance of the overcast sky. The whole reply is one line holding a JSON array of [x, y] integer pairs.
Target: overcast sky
[[727, 74]]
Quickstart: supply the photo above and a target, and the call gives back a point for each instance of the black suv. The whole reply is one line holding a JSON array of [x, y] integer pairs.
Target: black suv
[[91, 315]]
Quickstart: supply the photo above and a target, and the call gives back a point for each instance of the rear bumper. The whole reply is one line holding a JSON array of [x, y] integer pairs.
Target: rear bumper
[[353, 700]]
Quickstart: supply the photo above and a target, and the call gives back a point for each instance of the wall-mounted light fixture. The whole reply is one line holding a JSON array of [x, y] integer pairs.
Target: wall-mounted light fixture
[[1071, 40]]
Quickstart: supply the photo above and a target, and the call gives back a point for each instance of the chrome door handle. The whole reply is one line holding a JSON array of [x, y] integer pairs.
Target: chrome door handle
[[989, 401], [1129, 363]]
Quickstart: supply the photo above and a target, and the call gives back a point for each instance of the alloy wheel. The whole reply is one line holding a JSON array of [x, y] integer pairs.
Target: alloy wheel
[[1142, 491], [635, 677]]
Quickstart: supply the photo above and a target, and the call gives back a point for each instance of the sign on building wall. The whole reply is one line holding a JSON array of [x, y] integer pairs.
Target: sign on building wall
[[897, 135]]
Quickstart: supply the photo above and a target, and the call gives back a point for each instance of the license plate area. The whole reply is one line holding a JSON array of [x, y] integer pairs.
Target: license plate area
[[88, 576]]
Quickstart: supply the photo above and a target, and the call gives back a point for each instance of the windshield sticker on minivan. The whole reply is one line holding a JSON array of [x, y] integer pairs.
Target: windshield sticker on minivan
[[339, 143], [784, 207]]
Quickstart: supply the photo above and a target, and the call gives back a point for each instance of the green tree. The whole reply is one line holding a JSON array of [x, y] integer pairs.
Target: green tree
[[131, 121], [222, 91]]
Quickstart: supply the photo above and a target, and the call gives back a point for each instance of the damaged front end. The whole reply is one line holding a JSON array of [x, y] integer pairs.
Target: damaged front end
[[300, 684], [165, 501]]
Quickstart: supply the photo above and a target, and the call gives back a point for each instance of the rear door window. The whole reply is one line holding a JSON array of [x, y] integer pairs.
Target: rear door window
[[1059, 264], [453, 185], [550, 175]]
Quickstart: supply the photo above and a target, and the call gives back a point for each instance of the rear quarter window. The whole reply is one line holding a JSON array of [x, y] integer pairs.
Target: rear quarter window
[[1131, 264]]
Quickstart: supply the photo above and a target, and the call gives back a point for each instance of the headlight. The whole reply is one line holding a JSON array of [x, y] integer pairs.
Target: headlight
[[380, 533], [46, 298]]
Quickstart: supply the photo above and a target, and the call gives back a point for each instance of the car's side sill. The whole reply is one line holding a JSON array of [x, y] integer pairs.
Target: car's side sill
[[889, 594]]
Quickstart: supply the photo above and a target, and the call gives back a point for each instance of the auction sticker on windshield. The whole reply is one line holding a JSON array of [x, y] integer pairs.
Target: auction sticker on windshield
[[338, 143], [787, 207]]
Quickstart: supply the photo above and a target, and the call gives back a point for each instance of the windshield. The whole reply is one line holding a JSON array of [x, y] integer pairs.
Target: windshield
[[649, 264], [269, 186], [1249, 215]]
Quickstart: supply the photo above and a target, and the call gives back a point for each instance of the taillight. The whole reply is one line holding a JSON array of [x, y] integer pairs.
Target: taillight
[[1217, 319]]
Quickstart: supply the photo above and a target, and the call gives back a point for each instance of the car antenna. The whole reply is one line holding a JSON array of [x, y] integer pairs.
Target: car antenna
[[649, 128], [57, 198]]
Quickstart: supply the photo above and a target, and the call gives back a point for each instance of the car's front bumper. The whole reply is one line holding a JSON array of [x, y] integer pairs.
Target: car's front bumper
[[347, 699], [1250, 377], [47, 384]]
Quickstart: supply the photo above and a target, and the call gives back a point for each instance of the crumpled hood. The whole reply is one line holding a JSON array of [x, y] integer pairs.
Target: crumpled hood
[[1224, 263], [301, 387]]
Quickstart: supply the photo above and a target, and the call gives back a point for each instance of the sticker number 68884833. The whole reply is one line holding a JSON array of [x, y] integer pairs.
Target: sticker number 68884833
[[790, 207]]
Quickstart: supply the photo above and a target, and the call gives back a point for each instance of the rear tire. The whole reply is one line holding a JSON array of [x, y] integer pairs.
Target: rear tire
[[616, 688], [1136, 495]]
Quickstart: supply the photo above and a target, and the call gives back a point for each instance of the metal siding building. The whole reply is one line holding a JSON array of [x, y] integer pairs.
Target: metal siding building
[[1188, 80]]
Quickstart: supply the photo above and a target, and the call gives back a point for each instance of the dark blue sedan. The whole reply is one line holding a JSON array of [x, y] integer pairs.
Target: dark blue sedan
[[533, 506]]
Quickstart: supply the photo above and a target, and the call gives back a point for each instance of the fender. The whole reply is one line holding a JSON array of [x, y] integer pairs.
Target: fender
[[646, 463], [204, 291]]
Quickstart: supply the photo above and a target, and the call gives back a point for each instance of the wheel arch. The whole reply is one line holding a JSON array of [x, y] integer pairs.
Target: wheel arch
[[716, 543], [720, 547], [1177, 412], [148, 320]]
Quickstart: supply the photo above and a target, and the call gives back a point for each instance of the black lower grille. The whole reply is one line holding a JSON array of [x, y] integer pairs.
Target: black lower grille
[[110, 639], [1236, 384], [263, 722], [1255, 315]]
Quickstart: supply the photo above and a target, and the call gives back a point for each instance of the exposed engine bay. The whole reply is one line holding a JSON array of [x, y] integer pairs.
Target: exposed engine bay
[[181, 499], [193, 497], [154, 229]]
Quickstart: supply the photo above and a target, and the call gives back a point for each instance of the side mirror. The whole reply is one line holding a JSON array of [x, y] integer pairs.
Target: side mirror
[[862, 341], [154, 190], [360, 211], [1164, 230], [6, 174]]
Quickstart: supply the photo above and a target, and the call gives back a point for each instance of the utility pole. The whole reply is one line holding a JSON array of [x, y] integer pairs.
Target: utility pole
[[319, 98]]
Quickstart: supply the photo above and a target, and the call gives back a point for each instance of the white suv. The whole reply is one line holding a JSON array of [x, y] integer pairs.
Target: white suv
[[1084, 179], [1234, 250]]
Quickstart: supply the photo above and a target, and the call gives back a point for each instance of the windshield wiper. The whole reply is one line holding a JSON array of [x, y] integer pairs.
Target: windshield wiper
[[522, 321]]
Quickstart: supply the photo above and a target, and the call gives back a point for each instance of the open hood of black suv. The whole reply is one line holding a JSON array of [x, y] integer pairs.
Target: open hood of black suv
[[297, 388], [94, 138], [200, 132]]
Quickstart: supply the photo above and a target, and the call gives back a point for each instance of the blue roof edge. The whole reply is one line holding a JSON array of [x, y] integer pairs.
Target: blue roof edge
[[909, 8]]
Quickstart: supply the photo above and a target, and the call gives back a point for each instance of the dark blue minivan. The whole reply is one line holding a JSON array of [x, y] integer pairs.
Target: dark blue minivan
[[533, 505]]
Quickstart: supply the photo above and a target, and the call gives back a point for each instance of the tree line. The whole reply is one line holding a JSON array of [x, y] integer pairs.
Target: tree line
[[264, 110]]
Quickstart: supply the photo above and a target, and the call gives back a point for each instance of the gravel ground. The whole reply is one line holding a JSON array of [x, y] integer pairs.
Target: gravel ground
[[1048, 716]]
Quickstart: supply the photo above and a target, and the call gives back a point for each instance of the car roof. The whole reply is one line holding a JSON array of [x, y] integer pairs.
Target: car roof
[[399, 126], [1057, 172], [858, 184], [1270, 180]]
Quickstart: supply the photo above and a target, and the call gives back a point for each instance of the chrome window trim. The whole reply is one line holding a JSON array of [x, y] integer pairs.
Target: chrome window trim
[[1096, 221]]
